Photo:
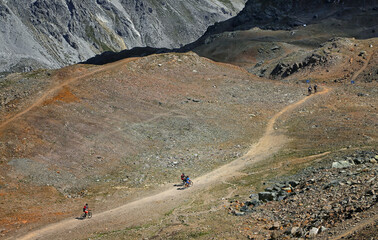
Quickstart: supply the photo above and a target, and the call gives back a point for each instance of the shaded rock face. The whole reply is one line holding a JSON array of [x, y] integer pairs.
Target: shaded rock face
[[284, 15], [284, 70], [54, 33]]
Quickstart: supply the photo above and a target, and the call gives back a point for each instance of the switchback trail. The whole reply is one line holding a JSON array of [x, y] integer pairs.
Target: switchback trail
[[150, 208]]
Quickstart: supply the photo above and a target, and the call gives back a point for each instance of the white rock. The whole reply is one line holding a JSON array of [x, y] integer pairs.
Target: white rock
[[341, 164], [313, 232]]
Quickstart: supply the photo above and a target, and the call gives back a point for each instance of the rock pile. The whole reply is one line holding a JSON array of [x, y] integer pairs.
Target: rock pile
[[286, 69], [320, 198]]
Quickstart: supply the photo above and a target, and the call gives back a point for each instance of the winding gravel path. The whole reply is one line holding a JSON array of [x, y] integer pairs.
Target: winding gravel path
[[152, 207]]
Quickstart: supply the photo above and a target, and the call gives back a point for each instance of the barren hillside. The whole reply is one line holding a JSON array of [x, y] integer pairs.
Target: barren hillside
[[268, 159]]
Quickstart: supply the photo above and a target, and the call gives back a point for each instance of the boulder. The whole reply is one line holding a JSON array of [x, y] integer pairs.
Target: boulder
[[268, 189], [296, 232], [237, 213], [255, 202], [275, 226], [267, 196], [254, 196], [313, 232], [322, 229], [342, 164], [362, 53], [293, 183], [358, 160], [244, 208]]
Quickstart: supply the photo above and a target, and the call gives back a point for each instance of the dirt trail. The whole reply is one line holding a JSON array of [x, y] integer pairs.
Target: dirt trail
[[54, 89], [356, 74], [372, 220], [152, 207], [360, 226]]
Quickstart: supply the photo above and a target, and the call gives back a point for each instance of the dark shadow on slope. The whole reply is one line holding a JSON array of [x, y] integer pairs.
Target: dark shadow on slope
[[109, 57]]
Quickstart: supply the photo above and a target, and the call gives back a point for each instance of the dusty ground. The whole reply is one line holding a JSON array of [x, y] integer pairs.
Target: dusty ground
[[146, 209], [94, 131], [119, 135]]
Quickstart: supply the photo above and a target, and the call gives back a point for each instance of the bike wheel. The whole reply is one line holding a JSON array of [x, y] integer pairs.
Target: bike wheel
[[89, 214]]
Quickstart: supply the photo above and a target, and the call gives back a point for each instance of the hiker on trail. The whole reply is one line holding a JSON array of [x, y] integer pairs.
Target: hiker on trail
[[183, 178], [309, 90], [85, 210], [315, 88]]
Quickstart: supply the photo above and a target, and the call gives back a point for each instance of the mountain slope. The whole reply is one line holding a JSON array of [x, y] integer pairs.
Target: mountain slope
[[266, 30], [42, 33]]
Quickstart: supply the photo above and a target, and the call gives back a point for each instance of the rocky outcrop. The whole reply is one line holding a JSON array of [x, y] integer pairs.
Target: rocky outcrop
[[54, 33], [319, 199], [286, 69]]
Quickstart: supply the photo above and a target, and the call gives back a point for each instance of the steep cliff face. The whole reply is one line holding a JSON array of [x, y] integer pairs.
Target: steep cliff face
[[53, 33]]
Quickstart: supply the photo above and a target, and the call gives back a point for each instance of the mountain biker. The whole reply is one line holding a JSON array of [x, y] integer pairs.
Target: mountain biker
[[183, 177], [315, 88], [309, 89], [85, 210], [187, 181]]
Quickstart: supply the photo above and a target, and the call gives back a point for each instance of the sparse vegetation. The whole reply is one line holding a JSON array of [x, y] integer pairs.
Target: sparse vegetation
[[119, 135]]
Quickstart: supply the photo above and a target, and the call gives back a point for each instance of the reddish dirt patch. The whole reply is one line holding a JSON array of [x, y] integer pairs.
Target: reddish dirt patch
[[64, 95]]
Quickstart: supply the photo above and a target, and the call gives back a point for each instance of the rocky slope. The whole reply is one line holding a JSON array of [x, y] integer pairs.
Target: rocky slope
[[42, 33], [316, 202], [266, 30]]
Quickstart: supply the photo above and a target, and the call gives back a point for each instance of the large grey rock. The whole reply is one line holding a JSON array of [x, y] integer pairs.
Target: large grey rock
[[267, 196], [342, 164]]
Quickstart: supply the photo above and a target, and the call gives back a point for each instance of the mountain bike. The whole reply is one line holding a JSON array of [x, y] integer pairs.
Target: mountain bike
[[189, 184], [89, 215]]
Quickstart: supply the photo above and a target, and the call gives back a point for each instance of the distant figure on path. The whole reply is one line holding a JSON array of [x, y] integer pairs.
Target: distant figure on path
[[85, 210], [309, 89], [315, 88], [183, 178]]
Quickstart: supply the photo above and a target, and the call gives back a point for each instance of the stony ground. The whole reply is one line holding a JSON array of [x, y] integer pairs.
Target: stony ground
[[315, 203]]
